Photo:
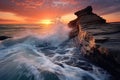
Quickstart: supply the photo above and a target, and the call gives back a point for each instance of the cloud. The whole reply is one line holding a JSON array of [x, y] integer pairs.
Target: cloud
[[2, 21], [104, 7], [11, 16], [33, 10], [28, 3]]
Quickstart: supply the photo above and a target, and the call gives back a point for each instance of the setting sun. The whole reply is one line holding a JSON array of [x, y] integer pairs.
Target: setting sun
[[47, 21]]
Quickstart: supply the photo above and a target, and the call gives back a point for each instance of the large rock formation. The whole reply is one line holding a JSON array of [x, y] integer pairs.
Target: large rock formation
[[105, 57], [86, 16]]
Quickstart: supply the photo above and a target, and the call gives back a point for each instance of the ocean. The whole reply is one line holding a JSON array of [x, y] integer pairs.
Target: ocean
[[43, 52]]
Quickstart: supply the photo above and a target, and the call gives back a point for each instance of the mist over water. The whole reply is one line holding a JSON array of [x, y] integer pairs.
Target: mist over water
[[44, 53]]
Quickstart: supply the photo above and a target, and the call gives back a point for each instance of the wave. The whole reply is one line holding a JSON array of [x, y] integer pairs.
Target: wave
[[51, 58]]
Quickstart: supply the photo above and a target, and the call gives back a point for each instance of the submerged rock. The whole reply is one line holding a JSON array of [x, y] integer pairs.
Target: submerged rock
[[4, 37]]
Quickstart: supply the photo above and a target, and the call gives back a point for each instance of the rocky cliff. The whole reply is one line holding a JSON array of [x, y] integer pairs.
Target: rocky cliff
[[87, 31], [84, 17]]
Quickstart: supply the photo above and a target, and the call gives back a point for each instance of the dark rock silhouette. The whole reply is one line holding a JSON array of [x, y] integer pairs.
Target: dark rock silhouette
[[105, 57], [86, 16], [4, 37], [86, 11]]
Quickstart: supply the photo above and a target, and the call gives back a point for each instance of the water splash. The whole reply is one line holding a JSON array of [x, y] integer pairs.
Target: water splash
[[53, 57]]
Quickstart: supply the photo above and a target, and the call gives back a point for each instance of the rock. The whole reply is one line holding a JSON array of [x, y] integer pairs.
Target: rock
[[75, 28], [4, 37], [86, 11], [100, 48], [106, 59], [86, 16], [101, 40]]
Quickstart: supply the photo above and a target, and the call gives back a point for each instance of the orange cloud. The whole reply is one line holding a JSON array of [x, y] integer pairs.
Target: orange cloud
[[10, 17], [114, 17], [32, 11], [29, 3], [68, 17], [5, 21]]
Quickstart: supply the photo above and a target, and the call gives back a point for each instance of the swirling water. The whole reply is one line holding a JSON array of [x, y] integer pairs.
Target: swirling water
[[47, 54]]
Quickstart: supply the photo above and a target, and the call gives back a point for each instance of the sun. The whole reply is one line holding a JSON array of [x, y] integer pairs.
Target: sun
[[46, 22]]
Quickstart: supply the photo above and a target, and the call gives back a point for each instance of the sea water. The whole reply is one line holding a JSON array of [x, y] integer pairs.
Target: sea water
[[43, 52]]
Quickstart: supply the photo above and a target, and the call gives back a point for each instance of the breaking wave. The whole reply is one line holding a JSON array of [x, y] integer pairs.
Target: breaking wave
[[54, 57]]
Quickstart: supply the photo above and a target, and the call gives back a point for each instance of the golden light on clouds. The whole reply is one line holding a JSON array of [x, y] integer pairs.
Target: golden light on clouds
[[10, 16], [43, 11], [68, 17], [114, 17]]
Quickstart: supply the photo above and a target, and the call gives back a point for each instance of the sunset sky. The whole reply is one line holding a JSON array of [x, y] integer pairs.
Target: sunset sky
[[40, 11]]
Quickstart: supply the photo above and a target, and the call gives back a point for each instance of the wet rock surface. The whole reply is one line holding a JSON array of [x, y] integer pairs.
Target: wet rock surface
[[4, 37], [106, 52]]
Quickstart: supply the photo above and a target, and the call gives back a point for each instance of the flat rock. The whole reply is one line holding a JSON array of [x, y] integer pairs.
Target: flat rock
[[4, 37]]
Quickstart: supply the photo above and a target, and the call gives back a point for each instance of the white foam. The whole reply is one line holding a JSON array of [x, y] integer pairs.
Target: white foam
[[23, 57]]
